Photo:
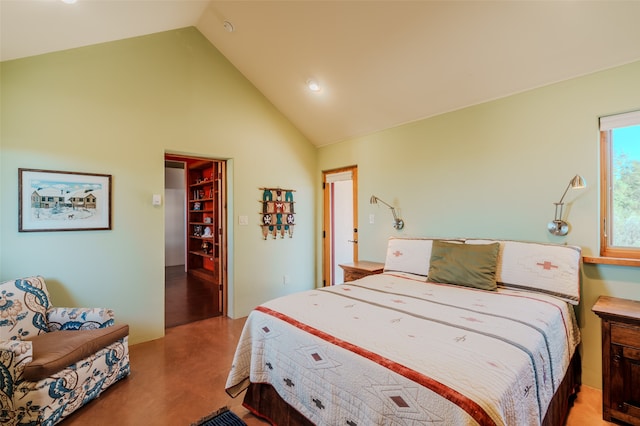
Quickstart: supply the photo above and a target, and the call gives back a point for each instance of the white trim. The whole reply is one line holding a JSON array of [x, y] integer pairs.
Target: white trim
[[619, 120], [340, 176]]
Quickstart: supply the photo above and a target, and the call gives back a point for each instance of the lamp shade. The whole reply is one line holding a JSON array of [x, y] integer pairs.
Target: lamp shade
[[578, 182]]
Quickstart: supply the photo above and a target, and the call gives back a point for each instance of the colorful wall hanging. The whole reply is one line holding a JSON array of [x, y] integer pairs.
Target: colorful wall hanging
[[277, 212]]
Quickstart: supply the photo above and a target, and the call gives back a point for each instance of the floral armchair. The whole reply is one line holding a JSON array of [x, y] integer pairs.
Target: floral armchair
[[54, 360]]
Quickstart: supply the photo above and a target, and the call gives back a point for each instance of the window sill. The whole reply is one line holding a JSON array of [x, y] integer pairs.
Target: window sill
[[611, 261]]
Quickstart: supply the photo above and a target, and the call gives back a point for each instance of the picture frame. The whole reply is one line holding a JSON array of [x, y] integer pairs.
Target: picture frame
[[51, 200]]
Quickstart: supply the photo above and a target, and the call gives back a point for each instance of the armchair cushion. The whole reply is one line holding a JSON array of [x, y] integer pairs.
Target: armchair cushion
[[23, 308], [52, 352]]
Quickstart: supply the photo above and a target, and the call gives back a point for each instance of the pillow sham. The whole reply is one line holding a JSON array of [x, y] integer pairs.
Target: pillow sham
[[469, 265], [541, 267], [408, 255]]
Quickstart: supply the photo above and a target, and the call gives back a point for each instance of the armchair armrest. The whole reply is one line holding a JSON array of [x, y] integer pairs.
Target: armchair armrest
[[79, 318], [14, 355]]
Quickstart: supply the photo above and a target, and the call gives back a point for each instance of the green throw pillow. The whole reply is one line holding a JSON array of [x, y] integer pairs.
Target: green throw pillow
[[470, 265]]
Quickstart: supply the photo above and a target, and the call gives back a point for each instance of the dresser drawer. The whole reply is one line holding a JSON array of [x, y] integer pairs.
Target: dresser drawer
[[354, 275], [632, 354], [625, 335]]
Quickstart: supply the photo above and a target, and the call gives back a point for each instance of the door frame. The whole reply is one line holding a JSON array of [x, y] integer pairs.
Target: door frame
[[223, 293], [184, 177], [326, 221]]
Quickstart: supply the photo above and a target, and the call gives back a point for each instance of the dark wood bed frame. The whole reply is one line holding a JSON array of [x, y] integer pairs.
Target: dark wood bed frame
[[263, 401]]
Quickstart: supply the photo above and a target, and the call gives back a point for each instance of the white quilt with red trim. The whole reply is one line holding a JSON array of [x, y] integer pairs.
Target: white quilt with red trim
[[393, 349]]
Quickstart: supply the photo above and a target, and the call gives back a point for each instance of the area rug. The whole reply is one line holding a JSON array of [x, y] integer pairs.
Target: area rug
[[222, 417]]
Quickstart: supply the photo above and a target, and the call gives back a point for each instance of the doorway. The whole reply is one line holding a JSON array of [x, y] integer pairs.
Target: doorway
[[340, 222], [195, 239]]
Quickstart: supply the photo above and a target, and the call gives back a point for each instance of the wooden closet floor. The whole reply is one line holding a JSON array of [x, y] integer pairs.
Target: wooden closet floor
[[187, 298]]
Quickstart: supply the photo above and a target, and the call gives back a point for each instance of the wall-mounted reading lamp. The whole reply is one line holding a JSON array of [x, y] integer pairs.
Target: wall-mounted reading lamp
[[397, 222], [559, 226]]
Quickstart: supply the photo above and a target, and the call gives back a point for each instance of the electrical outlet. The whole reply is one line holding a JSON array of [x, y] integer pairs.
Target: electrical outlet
[[285, 279], [372, 218]]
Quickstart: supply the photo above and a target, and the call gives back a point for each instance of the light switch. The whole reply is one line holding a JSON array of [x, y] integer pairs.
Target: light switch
[[157, 199], [243, 220]]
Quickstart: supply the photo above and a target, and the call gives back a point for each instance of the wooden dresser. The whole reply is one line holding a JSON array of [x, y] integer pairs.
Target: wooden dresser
[[356, 270], [620, 358]]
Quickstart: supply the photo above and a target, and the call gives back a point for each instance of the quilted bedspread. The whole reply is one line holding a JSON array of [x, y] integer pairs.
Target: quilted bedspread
[[394, 349]]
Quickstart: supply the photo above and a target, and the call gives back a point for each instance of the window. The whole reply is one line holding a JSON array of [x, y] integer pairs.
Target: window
[[620, 185]]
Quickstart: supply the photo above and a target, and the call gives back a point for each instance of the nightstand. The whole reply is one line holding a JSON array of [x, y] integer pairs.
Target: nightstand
[[620, 358], [362, 268]]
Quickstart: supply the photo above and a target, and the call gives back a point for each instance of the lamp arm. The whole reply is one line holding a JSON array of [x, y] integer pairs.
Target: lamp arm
[[378, 199], [564, 193], [393, 210], [558, 216]]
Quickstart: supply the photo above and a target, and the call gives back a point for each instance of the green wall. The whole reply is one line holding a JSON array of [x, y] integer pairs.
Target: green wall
[[494, 170], [116, 108]]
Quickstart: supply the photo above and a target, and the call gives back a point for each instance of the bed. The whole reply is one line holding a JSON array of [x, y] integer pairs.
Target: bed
[[455, 332]]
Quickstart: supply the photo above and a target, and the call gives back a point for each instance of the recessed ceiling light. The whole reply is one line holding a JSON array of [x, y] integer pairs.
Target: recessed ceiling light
[[69, 1], [228, 26], [313, 85]]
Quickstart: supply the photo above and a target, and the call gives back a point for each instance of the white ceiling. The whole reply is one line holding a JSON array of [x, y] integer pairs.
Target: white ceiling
[[380, 63]]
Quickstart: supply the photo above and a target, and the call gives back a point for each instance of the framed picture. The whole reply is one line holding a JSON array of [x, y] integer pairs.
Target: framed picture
[[50, 200]]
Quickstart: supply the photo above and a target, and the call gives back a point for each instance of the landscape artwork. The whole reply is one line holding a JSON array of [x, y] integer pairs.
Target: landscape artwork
[[63, 201]]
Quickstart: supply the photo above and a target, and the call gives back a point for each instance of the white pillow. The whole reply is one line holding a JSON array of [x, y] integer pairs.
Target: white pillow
[[408, 255], [547, 268]]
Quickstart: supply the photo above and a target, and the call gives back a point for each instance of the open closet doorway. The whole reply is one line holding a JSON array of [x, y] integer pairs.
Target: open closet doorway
[[340, 222], [195, 239]]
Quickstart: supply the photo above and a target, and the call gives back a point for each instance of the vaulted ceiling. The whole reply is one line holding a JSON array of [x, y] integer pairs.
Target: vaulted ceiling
[[379, 64]]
